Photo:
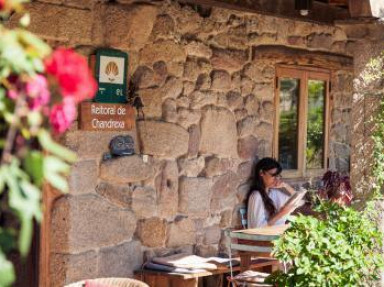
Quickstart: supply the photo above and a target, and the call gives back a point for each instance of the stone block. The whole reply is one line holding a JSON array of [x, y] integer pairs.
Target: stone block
[[191, 167], [69, 268], [247, 147], [267, 111], [194, 140], [320, 41], [208, 251], [244, 169], [181, 232], [252, 104], [166, 51], [71, 25], [169, 111], [247, 126], [164, 26], [152, 232], [215, 166], [92, 145], [163, 139], [200, 99], [226, 219], [195, 195], [229, 60], [212, 140], [167, 185], [119, 195], [144, 77], [225, 185], [88, 222], [198, 49], [120, 260], [187, 117], [264, 131], [83, 177], [124, 27], [253, 71], [144, 203], [191, 69], [212, 235], [152, 100], [221, 80], [234, 100], [125, 169]]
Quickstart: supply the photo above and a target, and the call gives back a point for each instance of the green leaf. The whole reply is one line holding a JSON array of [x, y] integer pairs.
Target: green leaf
[[51, 146], [53, 170], [33, 165], [7, 272]]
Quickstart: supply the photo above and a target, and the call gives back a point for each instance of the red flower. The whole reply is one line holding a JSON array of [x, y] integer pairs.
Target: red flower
[[72, 74], [62, 115], [2, 4]]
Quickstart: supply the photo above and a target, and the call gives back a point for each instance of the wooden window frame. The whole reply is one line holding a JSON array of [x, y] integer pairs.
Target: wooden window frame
[[303, 74]]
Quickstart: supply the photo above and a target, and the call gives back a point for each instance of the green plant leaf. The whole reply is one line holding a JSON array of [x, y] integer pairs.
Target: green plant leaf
[[7, 272], [54, 168], [51, 146], [33, 165]]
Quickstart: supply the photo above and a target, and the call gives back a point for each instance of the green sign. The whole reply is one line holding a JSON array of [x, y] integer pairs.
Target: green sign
[[111, 75]]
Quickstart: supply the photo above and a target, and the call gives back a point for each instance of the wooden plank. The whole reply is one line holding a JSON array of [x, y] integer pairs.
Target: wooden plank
[[360, 8], [321, 12], [251, 248]]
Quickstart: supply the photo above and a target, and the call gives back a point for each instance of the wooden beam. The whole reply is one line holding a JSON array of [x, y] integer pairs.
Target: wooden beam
[[293, 56], [321, 12], [366, 8]]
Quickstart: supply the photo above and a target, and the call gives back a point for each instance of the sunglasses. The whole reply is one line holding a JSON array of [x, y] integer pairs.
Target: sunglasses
[[275, 175]]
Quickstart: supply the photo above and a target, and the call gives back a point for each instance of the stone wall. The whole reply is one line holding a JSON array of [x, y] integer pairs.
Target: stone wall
[[209, 104]]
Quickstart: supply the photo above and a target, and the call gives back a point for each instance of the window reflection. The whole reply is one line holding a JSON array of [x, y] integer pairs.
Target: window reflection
[[288, 126], [315, 124]]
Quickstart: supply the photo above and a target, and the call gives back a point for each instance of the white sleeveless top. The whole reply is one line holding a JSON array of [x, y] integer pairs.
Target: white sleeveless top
[[257, 215]]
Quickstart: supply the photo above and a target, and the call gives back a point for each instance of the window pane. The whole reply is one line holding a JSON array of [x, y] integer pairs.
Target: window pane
[[288, 127], [315, 126]]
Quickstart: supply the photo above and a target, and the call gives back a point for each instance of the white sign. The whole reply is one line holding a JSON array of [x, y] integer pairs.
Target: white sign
[[111, 70]]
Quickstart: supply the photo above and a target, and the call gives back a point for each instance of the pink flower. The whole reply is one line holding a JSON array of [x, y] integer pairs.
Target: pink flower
[[38, 93], [62, 115], [2, 4], [13, 94], [72, 74]]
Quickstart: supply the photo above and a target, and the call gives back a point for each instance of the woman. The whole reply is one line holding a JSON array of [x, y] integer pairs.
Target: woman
[[267, 194]]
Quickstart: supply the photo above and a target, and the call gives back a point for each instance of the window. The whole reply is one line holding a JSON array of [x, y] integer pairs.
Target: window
[[301, 133]]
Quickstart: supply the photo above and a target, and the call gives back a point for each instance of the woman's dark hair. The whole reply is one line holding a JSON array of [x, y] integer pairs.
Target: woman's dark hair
[[256, 182]]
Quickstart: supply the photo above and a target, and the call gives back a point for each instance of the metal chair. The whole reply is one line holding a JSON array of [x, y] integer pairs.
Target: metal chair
[[112, 282]]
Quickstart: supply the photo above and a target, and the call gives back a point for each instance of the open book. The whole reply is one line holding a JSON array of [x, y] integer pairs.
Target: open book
[[292, 203]]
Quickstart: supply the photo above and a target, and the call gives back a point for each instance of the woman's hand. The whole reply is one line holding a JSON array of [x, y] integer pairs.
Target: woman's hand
[[284, 185]]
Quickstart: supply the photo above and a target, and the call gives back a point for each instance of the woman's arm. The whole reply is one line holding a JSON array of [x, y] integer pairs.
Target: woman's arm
[[255, 211], [286, 186]]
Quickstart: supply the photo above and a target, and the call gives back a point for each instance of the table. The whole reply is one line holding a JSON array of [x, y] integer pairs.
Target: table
[[256, 242], [170, 279]]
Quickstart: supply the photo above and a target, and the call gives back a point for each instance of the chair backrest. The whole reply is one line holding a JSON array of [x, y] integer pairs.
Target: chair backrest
[[112, 282], [243, 216]]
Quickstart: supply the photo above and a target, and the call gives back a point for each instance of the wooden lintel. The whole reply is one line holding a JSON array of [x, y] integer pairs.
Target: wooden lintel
[[366, 8], [294, 56], [320, 12]]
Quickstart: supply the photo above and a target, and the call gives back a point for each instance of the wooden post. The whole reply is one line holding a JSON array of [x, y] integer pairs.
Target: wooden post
[[50, 195]]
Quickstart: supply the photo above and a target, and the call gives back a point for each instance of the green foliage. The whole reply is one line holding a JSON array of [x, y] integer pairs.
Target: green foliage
[[339, 249], [29, 156]]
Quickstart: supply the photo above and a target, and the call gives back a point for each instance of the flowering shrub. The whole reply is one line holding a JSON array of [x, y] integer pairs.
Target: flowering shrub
[[31, 76], [336, 188]]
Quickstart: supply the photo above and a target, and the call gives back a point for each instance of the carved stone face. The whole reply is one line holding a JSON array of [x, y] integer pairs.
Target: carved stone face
[[122, 145]]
